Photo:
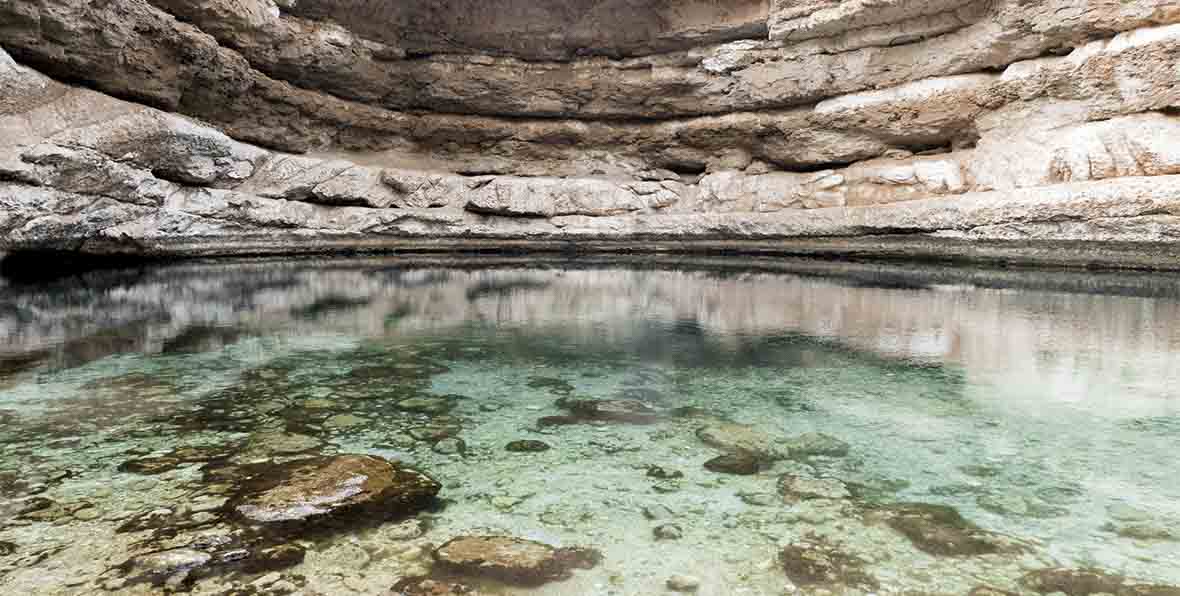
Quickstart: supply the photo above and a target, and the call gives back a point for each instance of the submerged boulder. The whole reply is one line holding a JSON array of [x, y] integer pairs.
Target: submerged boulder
[[629, 411], [813, 561], [735, 438], [740, 463], [172, 566], [512, 560], [941, 531], [801, 488], [329, 487], [816, 444], [527, 446], [1084, 582]]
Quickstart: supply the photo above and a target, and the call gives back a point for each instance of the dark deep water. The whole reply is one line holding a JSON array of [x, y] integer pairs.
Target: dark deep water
[[899, 429]]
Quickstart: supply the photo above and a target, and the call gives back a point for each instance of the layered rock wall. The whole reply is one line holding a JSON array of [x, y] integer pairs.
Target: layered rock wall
[[170, 127]]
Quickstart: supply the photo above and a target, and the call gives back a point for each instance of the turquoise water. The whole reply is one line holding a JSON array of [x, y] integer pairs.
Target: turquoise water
[[897, 429]]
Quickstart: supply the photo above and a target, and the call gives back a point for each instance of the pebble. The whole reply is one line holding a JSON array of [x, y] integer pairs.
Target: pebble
[[344, 421], [527, 446], [742, 464], [451, 446], [267, 579], [658, 511], [683, 583], [816, 444], [668, 532]]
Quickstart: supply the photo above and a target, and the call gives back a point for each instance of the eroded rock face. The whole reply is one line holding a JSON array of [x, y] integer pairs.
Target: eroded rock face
[[878, 126], [332, 487]]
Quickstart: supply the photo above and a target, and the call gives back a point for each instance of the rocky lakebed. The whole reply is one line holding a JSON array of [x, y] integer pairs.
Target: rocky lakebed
[[368, 427]]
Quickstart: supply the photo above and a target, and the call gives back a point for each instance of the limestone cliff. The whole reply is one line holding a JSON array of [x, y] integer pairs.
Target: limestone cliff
[[1022, 130]]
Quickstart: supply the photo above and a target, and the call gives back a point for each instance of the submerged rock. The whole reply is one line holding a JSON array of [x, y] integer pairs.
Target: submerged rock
[[427, 405], [512, 560], [741, 464], [663, 473], [281, 443], [683, 583], [668, 532], [1137, 524], [551, 384], [425, 586], [1084, 582], [629, 411], [813, 561], [989, 591], [331, 487], [434, 432], [940, 530], [450, 446], [527, 446], [800, 488], [171, 566], [547, 421], [735, 438], [280, 556], [816, 444], [341, 421]]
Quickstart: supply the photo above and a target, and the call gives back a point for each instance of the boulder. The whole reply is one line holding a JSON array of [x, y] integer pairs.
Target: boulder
[[742, 438], [512, 560], [333, 487], [815, 562]]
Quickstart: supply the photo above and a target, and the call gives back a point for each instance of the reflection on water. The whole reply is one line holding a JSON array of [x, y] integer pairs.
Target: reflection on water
[[379, 426]]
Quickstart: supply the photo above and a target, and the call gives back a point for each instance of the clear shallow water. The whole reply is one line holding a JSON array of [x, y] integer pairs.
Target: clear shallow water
[[879, 400]]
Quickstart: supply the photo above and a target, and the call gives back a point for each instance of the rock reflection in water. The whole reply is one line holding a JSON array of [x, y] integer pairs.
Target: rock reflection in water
[[378, 426]]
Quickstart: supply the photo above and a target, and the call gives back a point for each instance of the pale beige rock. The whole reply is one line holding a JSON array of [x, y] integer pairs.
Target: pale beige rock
[[945, 121]]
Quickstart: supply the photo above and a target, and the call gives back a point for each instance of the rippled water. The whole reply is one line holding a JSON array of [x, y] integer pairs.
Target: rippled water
[[762, 427]]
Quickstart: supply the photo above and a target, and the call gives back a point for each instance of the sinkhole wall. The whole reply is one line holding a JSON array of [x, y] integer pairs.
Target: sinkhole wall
[[997, 130]]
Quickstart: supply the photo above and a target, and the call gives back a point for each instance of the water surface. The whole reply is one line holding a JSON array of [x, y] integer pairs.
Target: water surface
[[882, 403]]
